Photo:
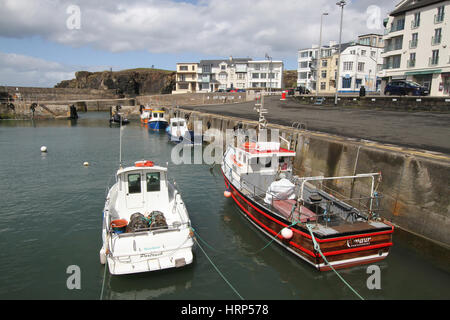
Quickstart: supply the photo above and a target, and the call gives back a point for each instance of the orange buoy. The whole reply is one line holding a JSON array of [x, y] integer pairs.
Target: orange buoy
[[227, 194], [144, 163]]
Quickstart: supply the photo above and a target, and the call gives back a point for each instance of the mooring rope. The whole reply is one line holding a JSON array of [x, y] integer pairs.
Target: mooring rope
[[104, 277], [218, 271], [317, 248]]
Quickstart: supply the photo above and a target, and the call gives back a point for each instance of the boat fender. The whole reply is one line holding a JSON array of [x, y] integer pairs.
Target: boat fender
[[287, 233], [102, 256], [227, 194]]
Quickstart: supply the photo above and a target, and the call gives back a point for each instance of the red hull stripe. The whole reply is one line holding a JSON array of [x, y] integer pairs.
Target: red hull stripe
[[300, 232], [270, 230]]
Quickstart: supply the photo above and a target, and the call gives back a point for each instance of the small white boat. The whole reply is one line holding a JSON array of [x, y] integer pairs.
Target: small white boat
[[146, 114], [146, 226], [178, 130]]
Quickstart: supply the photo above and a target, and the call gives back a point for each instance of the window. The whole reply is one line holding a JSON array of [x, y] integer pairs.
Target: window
[[303, 64], [398, 41], [134, 183], [241, 76], [348, 65], [153, 182], [396, 61], [439, 17], [183, 68], [324, 63], [434, 57], [358, 83], [346, 83], [436, 39], [372, 54], [412, 60], [363, 53], [255, 75], [302, 75], [223, 67], [263, 75], [323, 85], [352, 51], [324, 74], [414, 39], [361, 66], [304, 54], [257, 66], [416, 22]]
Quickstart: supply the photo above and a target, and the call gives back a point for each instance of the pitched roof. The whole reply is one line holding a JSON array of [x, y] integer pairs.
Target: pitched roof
[[412, 5]]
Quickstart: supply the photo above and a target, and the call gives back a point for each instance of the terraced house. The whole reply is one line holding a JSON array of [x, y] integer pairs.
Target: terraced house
[[417, 40]]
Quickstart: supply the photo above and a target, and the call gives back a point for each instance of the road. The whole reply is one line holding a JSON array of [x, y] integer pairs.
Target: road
[[421, 130]]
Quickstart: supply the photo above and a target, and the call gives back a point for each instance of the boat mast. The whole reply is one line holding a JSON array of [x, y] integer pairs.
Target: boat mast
[[259, 107], [120, 142]]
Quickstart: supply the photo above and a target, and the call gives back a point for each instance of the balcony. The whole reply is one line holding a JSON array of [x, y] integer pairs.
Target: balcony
[[411, 63], [435, 40], [438, 18], [433, 61], [413, 44]]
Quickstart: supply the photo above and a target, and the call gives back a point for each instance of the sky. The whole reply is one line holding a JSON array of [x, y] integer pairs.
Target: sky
[[43, 42]]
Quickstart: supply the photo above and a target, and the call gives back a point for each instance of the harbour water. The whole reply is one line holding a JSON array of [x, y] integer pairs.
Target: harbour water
[[51, 214]]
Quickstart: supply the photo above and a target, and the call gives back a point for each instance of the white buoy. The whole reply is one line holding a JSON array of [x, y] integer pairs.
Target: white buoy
[[43, 149], [85, 163], [287, 233]]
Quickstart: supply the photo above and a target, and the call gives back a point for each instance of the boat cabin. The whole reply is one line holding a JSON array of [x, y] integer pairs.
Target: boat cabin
[[257, 164], [141, 188]]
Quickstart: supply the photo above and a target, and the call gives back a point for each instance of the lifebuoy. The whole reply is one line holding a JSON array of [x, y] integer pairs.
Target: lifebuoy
[[144, 163]]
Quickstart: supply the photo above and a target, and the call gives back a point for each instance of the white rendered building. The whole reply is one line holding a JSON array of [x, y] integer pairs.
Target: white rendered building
[[417, 40]]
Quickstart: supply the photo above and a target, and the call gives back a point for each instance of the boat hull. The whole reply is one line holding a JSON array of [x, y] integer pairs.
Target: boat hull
[[341, 251], [157, 125], [150, 261]]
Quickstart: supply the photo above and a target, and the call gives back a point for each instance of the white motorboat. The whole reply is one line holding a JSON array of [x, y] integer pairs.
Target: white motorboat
[[178, 130], [146, 226]]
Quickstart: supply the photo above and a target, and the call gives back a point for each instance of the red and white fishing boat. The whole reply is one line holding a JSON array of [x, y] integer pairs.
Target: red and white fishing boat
[[300, 213]]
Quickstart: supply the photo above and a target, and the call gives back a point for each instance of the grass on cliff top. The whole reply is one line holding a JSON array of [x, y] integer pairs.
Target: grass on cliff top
[[141, 70]]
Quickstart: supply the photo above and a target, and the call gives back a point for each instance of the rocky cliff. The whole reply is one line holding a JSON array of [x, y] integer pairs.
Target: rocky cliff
[[128, 82], [290, 78]]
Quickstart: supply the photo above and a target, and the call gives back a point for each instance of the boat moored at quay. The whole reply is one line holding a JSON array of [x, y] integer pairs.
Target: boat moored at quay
[[303, 214]]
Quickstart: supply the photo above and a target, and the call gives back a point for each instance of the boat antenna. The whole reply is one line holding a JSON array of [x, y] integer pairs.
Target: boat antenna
[[120, 142]]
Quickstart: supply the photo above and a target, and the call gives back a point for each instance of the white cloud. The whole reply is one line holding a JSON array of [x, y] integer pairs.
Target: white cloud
[[22, 70], [214, 27]]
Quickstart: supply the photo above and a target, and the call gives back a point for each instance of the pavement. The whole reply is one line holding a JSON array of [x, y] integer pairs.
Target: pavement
[[422, 130]]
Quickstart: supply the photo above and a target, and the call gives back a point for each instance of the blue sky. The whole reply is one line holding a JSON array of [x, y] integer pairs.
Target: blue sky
[[38, 47]]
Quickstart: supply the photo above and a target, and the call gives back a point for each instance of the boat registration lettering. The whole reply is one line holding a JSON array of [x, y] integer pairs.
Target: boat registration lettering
[[149, 255], [351, 243]]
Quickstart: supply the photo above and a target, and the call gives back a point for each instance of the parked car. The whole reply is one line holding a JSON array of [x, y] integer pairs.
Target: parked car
[[302, 90], [290, 91], [220, 90], [404, 87], [240, 90]]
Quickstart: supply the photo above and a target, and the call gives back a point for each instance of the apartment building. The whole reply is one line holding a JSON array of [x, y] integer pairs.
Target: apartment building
[[214, 75], [360, 61], [186, 78], [359, 66], [265, 74], [417, 39]]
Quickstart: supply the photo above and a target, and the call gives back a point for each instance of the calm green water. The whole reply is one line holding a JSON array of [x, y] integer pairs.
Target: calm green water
[[51, 215]]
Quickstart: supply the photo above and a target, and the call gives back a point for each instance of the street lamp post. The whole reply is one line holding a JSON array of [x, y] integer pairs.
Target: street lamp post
[[341, 3], [320, 52], [270, 72]]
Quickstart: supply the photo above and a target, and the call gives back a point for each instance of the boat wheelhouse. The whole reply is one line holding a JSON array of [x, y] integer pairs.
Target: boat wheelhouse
[[178, 130], [157, 120], [146, 115], [146, 226], [299, 212]]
